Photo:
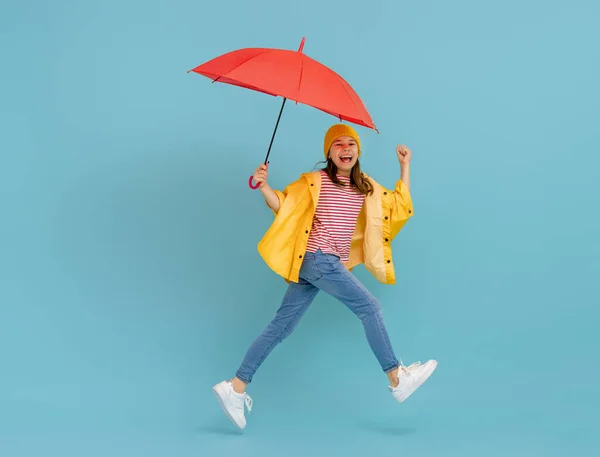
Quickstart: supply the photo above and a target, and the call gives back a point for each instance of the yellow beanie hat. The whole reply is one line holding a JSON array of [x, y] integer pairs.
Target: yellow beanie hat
[[336, 131]]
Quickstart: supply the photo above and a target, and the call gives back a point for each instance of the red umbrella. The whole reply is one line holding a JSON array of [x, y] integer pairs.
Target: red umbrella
[[291, 75]]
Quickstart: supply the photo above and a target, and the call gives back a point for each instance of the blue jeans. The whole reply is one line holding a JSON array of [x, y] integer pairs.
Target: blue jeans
[[327, 273]]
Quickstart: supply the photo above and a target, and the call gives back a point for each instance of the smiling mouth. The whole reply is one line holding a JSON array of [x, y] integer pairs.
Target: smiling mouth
[[346, 159]]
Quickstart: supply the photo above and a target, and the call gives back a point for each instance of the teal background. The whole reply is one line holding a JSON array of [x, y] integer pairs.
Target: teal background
[[130, 280]]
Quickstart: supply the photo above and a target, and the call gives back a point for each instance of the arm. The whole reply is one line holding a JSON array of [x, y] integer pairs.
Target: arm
[[270, 196], [404, 157], [405, 175], [399, 203]]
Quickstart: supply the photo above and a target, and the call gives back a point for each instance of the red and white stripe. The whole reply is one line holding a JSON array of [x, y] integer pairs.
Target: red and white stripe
[[335, 218]]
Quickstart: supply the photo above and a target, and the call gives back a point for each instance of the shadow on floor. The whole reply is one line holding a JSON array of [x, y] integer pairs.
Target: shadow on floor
[[216, 430], [386, 429]]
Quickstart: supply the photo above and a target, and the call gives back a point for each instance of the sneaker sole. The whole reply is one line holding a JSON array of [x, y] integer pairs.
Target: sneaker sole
[[425, 377], [218, 390]]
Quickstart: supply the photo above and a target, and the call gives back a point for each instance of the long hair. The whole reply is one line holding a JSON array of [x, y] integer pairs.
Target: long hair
[[357, 178]]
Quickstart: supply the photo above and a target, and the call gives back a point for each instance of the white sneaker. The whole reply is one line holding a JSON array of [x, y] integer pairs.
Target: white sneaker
[[232, 403], [410, 379]]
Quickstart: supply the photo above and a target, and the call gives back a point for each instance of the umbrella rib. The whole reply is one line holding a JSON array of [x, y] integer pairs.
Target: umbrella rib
[[349, 95]]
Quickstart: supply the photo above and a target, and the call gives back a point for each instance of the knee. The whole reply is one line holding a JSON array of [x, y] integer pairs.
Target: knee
[[369, 309], [285, 332], [281, 329]]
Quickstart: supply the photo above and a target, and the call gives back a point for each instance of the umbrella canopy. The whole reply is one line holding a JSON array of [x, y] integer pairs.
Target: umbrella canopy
[[292, 75]]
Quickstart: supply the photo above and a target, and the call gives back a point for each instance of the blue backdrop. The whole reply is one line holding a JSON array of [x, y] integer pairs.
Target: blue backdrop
[[130, 280]]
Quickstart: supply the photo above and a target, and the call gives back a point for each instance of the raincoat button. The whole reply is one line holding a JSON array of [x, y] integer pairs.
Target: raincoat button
[[387, 239], [300, 257], [306, 231], [388, 261], [409, 211], [385, 193], [312, 185], [386, 218]]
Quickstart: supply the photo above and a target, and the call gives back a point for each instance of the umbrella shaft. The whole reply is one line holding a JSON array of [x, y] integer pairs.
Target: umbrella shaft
[[275, 131]]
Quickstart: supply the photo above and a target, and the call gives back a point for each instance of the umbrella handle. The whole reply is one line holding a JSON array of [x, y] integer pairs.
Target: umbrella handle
[[252, 186]]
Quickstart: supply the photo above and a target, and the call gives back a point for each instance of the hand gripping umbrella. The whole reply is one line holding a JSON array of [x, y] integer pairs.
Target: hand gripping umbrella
[[291, 75]]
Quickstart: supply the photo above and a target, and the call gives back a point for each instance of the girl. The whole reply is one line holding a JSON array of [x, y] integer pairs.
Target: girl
[[327, 222]]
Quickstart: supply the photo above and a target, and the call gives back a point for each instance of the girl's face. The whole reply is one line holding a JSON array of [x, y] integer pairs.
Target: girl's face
[[344, 154]]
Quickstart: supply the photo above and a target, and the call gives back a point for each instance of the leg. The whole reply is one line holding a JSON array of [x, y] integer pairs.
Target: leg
[[393, 377], [231, 394], [338, 282], [296, 301]]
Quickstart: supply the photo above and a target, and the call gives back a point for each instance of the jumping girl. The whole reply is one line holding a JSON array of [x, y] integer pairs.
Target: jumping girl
[[326, 223]]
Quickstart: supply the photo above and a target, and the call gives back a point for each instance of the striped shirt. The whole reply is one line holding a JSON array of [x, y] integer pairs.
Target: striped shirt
[[335, 218]]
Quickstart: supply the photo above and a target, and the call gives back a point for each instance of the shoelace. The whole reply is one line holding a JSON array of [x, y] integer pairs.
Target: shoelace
[[412, 367], [409, 369]]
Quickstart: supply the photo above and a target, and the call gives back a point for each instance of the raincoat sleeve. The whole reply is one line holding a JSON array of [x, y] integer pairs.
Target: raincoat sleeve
[[400, 206], [281, 196]]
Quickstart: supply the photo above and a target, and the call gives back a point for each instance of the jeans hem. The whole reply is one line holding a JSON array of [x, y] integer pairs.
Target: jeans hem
[[241, 378], [388, 370]]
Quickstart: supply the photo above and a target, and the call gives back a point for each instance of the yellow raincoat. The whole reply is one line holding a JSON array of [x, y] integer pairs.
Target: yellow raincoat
[[383, 215]]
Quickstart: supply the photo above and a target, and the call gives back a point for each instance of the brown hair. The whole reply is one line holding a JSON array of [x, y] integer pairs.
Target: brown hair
[[357, 178]]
